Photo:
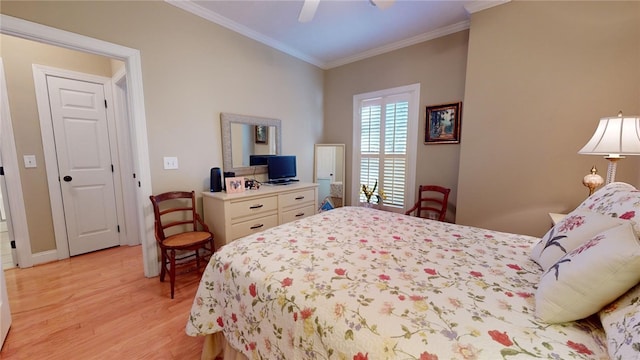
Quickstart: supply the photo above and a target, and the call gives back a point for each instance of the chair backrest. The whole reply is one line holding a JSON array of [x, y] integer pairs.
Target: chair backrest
[[433, 199], [178, 211]]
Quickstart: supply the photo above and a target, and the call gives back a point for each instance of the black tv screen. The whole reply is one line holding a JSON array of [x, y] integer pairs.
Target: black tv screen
[[281, 167]]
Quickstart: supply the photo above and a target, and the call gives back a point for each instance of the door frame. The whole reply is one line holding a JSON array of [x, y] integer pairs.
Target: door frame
[[40, 73], [12, 177], [140, 154], [128, 176]]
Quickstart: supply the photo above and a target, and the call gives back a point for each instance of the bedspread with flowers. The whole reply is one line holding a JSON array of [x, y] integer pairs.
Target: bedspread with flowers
[[359, 283]]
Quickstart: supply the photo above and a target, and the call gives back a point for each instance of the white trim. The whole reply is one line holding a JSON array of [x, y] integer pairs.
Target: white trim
[[412, 141], [44, 257], [50, 160], [45, 34], [214, 17], [477, 6], [129, 227], [12, 178], [444, 31]]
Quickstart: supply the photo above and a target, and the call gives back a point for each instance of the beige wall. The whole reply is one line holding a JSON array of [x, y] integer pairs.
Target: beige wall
[[192, 70], [18, 56], [438, 65], [539, 77]]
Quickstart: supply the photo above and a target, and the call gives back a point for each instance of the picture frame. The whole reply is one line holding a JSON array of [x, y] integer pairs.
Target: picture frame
[[443, 124], [262, 134], [234, 184]]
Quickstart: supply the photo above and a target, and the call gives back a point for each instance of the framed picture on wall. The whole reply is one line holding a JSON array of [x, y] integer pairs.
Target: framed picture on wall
[[443, 124], [262, 134], [234, 184]]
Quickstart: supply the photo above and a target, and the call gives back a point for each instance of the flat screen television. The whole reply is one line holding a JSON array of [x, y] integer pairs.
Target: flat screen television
[[281, 168]]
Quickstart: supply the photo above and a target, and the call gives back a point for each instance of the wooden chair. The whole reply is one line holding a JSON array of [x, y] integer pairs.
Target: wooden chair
[[433, 200], [186, 230]]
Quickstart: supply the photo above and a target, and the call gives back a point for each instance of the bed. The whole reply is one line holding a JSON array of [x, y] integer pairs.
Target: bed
[[359, 283]]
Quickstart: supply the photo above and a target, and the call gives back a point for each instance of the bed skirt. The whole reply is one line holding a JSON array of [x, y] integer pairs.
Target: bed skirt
[[216, 347]]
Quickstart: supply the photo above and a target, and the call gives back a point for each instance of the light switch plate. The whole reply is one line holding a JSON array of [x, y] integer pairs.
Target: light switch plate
[[30, 161], [170, 162]]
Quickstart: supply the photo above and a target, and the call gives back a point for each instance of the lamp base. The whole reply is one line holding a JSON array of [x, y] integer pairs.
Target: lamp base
[[611, 170]]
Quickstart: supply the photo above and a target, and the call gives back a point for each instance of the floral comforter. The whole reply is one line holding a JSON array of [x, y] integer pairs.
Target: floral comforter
[[358, 283]]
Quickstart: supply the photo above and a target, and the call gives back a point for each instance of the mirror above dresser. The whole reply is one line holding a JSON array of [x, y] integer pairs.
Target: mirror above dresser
[[247, 137]]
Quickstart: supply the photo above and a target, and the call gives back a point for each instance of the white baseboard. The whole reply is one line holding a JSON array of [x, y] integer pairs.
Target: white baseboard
[[44, 257]]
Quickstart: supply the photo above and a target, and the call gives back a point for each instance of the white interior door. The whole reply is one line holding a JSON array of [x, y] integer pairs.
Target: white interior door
[[85, 167]]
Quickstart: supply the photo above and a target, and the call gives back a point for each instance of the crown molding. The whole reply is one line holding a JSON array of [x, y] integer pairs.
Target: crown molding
[[477, 6], [214, 17], [443, 31]]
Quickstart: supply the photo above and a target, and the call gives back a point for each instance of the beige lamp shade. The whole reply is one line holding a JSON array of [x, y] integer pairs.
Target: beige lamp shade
[[615, 136]]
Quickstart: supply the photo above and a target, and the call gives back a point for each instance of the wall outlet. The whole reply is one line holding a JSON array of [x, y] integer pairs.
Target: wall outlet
[[170, 162], [30, 161]]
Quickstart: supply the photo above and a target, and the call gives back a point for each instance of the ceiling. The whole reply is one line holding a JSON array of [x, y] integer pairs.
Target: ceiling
[[342, 31]]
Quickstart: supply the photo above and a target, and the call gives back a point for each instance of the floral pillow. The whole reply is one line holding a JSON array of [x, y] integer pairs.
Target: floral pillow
[[590, 276], [571, 232], [617, 199], [621, 323]]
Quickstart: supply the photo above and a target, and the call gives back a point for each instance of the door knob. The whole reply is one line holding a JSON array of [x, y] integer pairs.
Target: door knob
[[67, 178]]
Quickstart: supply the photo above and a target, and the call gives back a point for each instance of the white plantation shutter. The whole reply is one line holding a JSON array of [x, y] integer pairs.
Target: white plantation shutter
[[370, 138], [383, 144], [395, 151]]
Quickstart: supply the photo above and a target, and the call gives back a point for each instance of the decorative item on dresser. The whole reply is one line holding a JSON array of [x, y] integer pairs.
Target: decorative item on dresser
[[232, 216], [614, 137]]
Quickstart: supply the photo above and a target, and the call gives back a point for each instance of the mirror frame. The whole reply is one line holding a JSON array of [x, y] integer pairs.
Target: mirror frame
[[343, 168], [226, 119]]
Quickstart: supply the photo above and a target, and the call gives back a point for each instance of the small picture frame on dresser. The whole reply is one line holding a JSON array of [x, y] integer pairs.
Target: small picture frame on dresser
[[234, 184]]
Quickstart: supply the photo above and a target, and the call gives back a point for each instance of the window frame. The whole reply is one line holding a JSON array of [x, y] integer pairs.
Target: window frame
[[413, 92]]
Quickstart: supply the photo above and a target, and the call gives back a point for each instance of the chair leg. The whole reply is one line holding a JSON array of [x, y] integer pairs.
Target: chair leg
[[163, 265], [197, 260], [172, 270]]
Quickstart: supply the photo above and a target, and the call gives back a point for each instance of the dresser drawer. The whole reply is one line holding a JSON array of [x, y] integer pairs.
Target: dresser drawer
[[297, 197], [298, 213], [242, 208], [255, 225]]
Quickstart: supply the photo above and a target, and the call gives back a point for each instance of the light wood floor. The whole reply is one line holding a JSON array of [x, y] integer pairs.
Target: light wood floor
[[99, 306]]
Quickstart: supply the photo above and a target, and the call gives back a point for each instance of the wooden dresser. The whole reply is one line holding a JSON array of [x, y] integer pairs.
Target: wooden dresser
[[232, 216]]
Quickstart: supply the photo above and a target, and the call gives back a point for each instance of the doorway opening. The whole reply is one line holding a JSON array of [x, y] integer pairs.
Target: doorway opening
[[139, 154]]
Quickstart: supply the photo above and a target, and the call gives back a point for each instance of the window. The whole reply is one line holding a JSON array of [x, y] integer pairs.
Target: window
[[384, 150]]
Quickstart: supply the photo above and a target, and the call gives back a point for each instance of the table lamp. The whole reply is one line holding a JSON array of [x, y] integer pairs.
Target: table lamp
[[614, 137]]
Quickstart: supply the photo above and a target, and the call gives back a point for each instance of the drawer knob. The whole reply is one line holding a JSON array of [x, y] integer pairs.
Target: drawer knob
[[299, 197], [257, 226], [257, 206], [299, 214]]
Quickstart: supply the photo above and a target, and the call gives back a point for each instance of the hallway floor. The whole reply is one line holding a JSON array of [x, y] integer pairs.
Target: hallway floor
[[5, 247]]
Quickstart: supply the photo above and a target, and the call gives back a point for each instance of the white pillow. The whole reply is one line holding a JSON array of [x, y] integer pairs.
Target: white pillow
[[621, 323], [618, 200], [571, 232], [590, 276]]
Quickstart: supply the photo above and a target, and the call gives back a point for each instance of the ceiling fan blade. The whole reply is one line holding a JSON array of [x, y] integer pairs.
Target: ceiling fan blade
[[308, 10], [382, 4]]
